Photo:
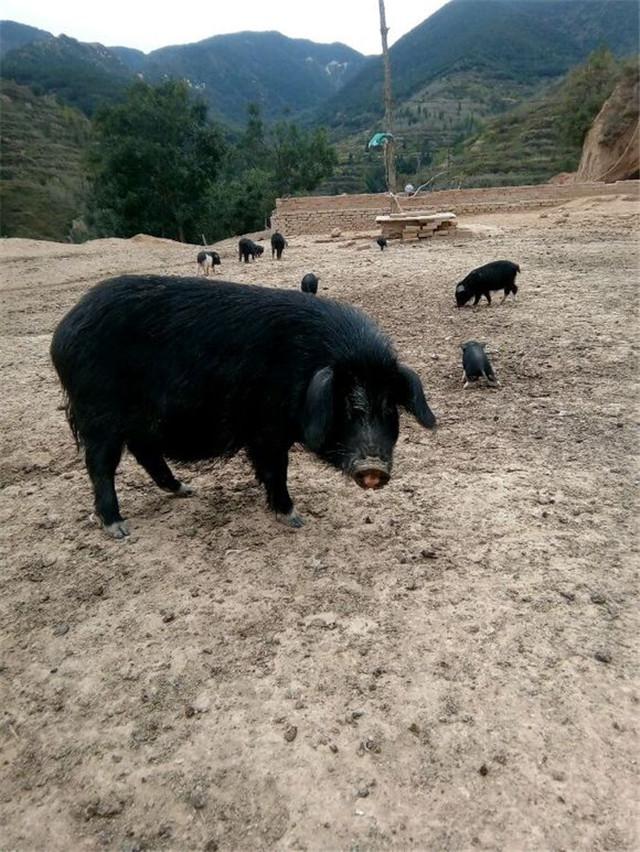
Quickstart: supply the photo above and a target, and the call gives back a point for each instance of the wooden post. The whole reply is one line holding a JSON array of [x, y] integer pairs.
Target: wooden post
[[389, 148]]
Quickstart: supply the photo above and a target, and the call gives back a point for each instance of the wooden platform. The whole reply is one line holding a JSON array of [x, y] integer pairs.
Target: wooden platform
[[417, 226]]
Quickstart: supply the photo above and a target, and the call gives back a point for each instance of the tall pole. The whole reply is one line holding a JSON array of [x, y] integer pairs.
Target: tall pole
[[389, 149]]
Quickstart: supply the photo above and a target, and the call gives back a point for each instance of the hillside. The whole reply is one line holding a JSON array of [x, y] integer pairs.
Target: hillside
[[525, 146], [611, 148], [42, 178], [542, 137]]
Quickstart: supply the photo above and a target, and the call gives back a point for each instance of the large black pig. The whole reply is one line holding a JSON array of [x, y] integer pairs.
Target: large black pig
[[172, 367]]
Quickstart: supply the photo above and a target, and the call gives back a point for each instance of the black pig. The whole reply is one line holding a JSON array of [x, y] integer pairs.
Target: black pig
[[382, 243], [208, 260], [278, 243], [248, 249], [309, 283], [171, 367], [499, 275], [475, 364]]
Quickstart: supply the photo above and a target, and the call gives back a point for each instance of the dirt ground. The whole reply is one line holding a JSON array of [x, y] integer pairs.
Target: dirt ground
[[447, 664]]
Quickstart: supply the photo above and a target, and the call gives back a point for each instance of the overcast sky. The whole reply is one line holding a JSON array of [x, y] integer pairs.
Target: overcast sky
[[147, 25]]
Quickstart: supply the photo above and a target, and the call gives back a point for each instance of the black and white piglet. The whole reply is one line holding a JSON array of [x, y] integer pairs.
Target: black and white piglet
[[208, 260]]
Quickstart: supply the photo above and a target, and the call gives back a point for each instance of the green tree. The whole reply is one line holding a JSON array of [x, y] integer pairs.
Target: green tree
[[300, 158], [154, 159], [252, 144], [238, 204]]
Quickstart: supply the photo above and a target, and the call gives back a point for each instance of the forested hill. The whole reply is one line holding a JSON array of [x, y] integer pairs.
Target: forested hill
[[285, 76], [502, 45]]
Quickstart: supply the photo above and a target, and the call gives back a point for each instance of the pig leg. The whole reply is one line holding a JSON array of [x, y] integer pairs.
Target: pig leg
[[152, 461], [270, 466], [476, 300], [102, 457], [487, 296]]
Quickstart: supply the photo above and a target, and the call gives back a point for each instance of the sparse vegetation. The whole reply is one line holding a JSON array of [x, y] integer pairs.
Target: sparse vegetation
[[585, 90], [43, 181]]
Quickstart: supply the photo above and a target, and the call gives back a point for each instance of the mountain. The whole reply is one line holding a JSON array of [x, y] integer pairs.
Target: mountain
[[470, 61], [42, 171], [506, 44], [14, 35], [129, 56], [83, 75], [282, 74], [285, 76]]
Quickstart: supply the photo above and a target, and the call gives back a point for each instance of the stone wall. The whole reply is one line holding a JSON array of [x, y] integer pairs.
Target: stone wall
[[320, 214]]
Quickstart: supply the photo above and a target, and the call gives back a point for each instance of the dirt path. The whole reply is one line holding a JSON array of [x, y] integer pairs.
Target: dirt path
[[447, 664]]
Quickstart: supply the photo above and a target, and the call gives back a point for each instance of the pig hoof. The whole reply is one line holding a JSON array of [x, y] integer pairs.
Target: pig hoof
[[119, 529], [184, 491], [292, 519]]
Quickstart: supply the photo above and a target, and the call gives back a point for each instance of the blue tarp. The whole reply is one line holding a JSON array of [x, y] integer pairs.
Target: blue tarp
[[379, 139]]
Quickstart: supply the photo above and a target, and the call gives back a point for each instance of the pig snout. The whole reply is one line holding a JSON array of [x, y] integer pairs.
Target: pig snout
[[371, 473]]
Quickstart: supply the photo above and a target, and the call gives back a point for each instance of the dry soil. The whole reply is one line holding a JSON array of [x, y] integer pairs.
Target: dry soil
[[446, 664]]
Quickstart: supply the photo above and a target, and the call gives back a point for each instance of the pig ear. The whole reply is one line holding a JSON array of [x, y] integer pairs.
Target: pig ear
[[411, 397], [318, 409]]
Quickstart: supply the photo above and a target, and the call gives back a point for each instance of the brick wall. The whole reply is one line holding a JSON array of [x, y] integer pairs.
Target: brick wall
[[320, 214]]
